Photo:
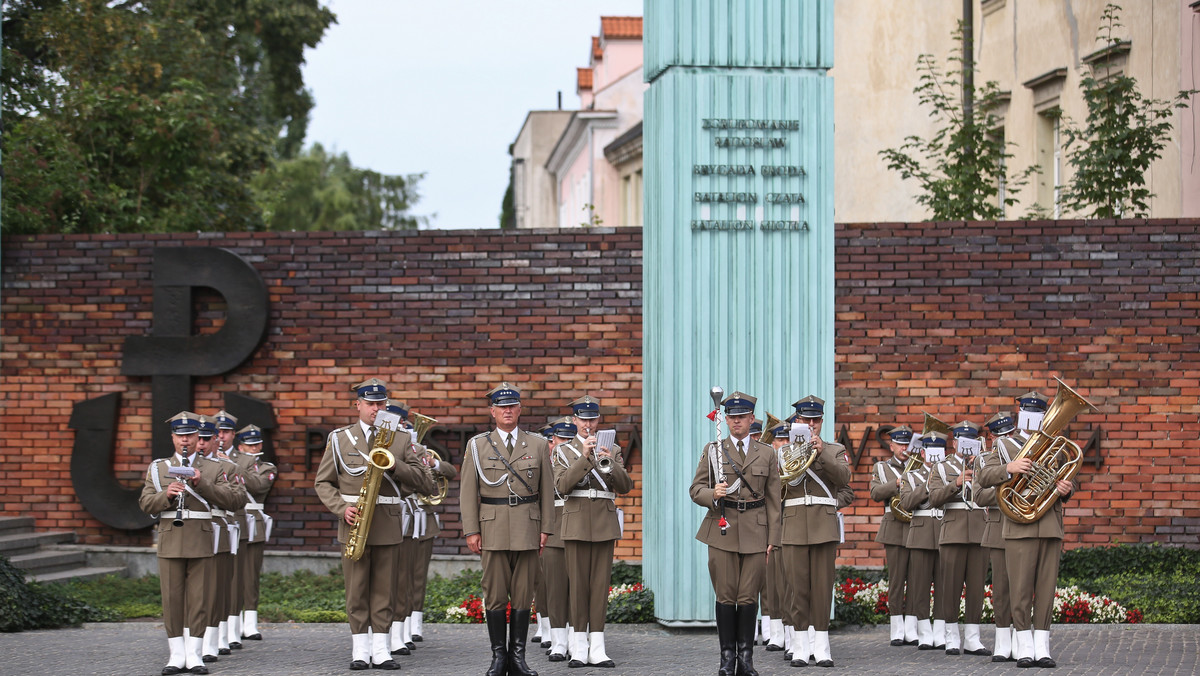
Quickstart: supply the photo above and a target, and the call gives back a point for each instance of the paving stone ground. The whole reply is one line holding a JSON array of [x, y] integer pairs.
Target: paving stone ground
[[140, 648]]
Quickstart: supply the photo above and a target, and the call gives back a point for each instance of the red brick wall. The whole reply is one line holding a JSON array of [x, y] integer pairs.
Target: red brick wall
[[945, 318]]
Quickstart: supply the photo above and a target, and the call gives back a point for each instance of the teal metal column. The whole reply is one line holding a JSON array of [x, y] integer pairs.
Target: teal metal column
[[738, 260]]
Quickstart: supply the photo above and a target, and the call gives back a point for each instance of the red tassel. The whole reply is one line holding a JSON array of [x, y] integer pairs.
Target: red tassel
[[712, 415], [723, 523]]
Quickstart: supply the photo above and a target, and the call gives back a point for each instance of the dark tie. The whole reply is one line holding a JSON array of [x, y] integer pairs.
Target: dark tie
[[509, 444], [186, 463], [741, 450], [371, 438]]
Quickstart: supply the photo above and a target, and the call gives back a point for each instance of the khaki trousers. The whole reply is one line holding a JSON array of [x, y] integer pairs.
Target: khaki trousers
[[962, 564], [897, 563], [922, 565], [737, 578], [216, 593], [1000, 591], [183, 583], [370, 588], [771, 596], [1032, 574], [402, 590], [422, 553], [554, 600], [809, 570], [509, 576], [589, 575], [251, 560]]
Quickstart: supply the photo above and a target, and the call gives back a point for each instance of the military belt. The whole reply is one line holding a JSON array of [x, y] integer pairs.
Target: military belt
[[809, 500], [511, 500], [743, 505]]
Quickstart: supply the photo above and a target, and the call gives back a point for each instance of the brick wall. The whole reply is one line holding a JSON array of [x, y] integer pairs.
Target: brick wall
[[952, 319]]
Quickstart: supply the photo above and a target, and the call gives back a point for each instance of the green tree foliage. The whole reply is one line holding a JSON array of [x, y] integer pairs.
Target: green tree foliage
[[164, 115], [322, 191], [1124, 133], [961, 167]]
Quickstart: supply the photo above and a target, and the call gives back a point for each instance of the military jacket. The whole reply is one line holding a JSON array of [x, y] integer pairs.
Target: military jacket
[[194, 539], [914, 497], [514, 525], [588, 518], [426, 523], [963, 522], [892, 531], [749, 531], [813, 524], [994, 473], [257, 476], [344, 467], [226, 526]]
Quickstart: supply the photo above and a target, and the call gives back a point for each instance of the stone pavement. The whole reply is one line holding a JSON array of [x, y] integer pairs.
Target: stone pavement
[[140, 648]]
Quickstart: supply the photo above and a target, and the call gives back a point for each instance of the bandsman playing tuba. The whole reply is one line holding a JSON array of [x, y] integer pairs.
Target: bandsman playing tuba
[[893, 532], [348, 462]]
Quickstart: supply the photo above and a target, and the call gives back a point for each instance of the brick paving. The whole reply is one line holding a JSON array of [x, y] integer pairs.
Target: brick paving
[[139, 648]]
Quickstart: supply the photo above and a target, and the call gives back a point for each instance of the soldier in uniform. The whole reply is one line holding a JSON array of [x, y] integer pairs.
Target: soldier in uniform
[[216, 592], [774, 634], [370, 581], [737, 482], [952, 488], [554, 596], [507, 497], [811, 533], [922, 541], [591, 526], [1000, 425], [885, 485], [185, 539], [1031, 552], [257, 476], [227, 574]]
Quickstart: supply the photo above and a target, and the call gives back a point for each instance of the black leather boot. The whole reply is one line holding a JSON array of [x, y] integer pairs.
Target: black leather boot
[[497, 625], [747, 615], [518, 631], [727, 638]]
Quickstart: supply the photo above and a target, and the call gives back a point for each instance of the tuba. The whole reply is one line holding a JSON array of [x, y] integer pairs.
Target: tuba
[[932, 424], [1026, 497], [380, 460], [421, 425]]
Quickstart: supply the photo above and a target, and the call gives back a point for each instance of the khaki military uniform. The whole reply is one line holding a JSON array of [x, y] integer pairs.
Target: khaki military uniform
[[959, 541], [591, 525], [506, 513], [258, 476], [921, 542], [553, 593], [218, 594], [893, 533], [737, 560], [185, 553], [426, 528], [993, 546], [811, 534], [370, 581]]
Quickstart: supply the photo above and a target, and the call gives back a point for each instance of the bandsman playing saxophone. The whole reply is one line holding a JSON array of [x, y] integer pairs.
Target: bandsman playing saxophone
[[370, 580]]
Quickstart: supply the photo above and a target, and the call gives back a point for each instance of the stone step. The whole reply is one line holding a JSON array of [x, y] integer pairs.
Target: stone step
[[80, 573], [15, 524], [48, 560], [12, 544]]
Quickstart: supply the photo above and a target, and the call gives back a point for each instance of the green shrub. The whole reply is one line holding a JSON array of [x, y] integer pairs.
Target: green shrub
[[335, 616], [36, 606], [1163, 598], [442, 593], [867, 575], [626, 573], [133, 611], [635, 606], [1079, 566]]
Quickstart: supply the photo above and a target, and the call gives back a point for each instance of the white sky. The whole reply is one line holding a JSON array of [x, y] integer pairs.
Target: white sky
[[443, 86]]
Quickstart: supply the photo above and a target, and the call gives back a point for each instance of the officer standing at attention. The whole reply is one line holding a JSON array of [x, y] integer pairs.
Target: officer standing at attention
[[507, 497], [590, 478], [258, 476], [371, 580], [1000, 425], [737, 482], [229, 634], [885, 485], [185, 539]]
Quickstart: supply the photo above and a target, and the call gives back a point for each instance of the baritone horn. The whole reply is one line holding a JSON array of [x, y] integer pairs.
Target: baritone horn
[[1026, 497], [421, 425]]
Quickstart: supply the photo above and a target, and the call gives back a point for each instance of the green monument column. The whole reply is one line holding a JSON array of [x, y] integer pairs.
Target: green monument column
[[738, 260]]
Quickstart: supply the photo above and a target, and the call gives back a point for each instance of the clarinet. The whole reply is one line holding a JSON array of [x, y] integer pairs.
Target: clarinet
[[178, 520]]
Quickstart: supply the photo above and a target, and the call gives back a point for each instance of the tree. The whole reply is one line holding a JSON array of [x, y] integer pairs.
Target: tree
[[961, 167], [1123, 134], [321, 191]]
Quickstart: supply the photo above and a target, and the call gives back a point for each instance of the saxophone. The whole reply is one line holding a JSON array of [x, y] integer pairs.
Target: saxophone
[[380, 460]]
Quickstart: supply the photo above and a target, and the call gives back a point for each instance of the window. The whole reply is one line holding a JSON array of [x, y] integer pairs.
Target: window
[[1049, 148]]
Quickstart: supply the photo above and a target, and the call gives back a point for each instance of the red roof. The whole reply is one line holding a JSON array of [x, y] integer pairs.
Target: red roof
[[597, 53], [584, 78], [621, 27]]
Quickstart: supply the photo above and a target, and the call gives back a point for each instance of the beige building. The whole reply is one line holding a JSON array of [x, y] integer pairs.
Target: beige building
[[1038, 51], [534, 187]]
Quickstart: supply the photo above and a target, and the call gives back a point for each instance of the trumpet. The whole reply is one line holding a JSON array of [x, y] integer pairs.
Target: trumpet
[[604, 463]]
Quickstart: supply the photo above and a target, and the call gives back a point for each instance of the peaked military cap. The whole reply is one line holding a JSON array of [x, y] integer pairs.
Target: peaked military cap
[[372, 389], [207, 427], [1002, 423], [504, 394], [966, 429], [225, 421], [184, 422], [934, 440], [399, 408], [781, 430], [901, 435], [1033, 401], [810, 407], [564, 427], [250, 434], [586, 407], [739, 403], [756, 426]]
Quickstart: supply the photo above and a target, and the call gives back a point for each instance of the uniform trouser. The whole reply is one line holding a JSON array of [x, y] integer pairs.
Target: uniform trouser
[[589, 571], [771, 596], [422, 553], [897, 563], [509, 576], [182, 583], [922, 565], [402, 589], [1032, 574], [962, 564], [251, 561], [810, 570], [370, 588], [736, 578], [554, 600], [217, 592], [1000, 591], [235, 582]]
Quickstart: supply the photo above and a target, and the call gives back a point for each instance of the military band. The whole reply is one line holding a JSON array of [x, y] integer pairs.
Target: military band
[[553, 599], [922, 544], [886, 478], [256, 476]]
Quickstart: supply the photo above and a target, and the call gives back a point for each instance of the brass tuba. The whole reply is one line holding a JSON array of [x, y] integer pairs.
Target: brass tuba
[[932, 424], [421, 425], [1026, 497], [380, 460]]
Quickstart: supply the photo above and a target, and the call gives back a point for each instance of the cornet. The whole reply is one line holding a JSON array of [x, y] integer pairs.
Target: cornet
[[604, 438]]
